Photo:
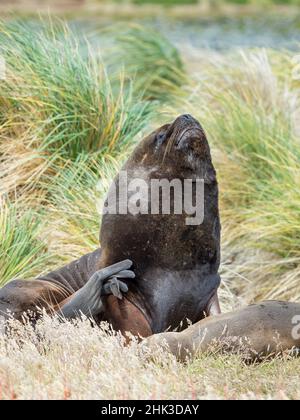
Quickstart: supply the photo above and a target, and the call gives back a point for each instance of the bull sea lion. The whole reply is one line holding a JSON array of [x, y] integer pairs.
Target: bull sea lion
[[176, 264], [256, 332]]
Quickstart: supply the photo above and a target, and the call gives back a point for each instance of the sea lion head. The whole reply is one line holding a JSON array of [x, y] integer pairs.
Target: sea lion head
[[179, 148], [175, 151]]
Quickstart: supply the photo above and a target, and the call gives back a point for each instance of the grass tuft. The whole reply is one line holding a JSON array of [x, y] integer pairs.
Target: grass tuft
[[152, 62], [57, 102], [22, 252]]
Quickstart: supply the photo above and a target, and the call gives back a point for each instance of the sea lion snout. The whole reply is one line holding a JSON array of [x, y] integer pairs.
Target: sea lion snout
[[183, 124], [186, 134], [179, 144], [187, 118]]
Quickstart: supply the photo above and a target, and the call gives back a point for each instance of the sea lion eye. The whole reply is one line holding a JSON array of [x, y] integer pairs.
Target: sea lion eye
[[160, 137]]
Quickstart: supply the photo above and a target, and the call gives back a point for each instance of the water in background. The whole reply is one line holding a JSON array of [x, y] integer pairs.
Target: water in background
[[220, 34], [235, 33]]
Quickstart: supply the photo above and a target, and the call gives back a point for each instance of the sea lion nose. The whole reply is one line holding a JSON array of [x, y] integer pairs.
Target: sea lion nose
[[187, 117], [184, 120]]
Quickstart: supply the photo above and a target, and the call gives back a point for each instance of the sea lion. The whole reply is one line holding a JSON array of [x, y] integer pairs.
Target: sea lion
[[176, 263], [55, 290], [258, 331]]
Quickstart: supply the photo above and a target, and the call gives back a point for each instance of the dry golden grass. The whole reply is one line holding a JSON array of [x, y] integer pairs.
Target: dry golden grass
[[81, 362]]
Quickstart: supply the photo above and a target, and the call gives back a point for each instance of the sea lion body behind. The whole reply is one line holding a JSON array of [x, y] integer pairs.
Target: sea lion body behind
[[49, 290], [256, 331], [76, 274]]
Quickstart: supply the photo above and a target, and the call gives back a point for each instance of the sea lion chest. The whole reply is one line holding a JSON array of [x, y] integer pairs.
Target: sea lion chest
[[173, 298]]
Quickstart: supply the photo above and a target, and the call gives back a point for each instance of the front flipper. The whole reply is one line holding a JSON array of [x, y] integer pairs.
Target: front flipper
[[88, 300], [116, 287]]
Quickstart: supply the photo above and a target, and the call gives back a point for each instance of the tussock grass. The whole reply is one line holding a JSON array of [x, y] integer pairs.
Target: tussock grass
[[249, 106], [57, 103], [257, 133], [75, 205], [152, 62], [259, 130], [23, 254]]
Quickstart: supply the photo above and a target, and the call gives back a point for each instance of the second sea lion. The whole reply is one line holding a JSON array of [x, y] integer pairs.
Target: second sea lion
[[255, 332]]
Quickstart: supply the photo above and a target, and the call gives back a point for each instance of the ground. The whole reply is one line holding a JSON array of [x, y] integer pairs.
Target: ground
[[81, 362]]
